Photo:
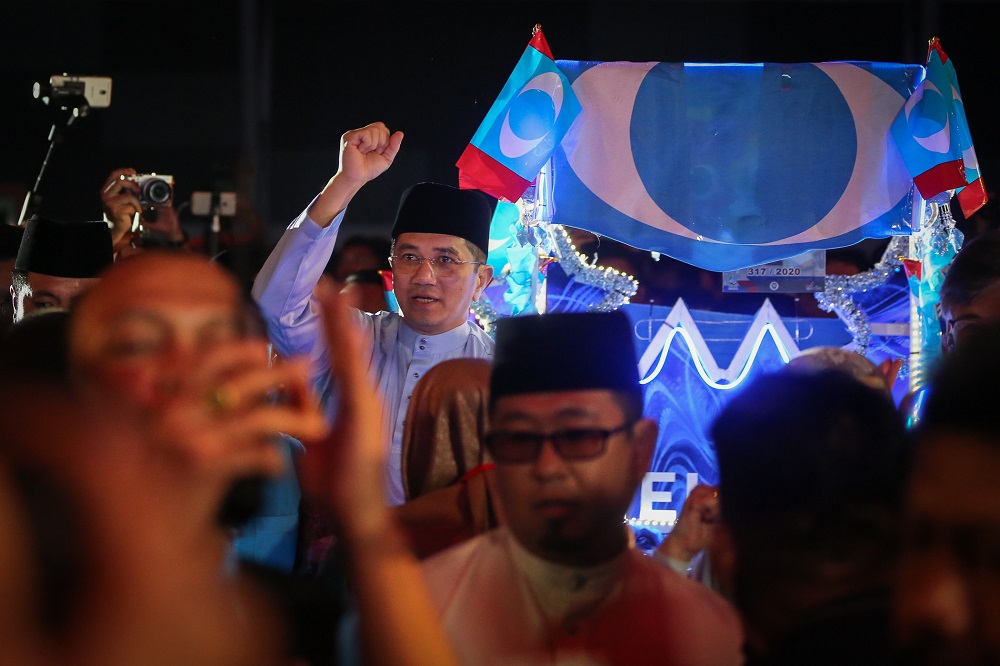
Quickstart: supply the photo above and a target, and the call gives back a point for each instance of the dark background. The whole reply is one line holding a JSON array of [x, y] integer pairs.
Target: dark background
[[252, 95]]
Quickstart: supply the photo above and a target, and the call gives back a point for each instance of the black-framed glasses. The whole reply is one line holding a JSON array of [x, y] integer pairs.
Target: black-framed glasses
[[443, 264], [514, 447]]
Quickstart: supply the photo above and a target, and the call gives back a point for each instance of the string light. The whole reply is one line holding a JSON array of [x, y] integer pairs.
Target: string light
[[618, 288], [635, 522]]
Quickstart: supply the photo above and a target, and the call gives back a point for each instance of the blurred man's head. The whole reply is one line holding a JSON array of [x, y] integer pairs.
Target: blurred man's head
[[812, 469], [150, 322], [818, 359], [948, 602], [359, 253], [439, 245], [567, 433], [57, 262], [970, 294]]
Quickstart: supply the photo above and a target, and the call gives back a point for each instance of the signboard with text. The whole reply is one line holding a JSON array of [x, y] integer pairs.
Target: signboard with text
[[798, 274]]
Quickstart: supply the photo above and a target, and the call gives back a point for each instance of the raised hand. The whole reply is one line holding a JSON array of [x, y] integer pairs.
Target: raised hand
[[346, 472], [223, 419], [120, 199], [694, 528], [365, 154]]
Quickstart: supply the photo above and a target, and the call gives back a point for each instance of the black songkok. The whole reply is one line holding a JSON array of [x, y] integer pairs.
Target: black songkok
[[65, 249], [432, 208], [564, 352]]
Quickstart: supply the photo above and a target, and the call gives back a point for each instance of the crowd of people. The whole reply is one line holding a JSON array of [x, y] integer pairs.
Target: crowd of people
[[336, 468]]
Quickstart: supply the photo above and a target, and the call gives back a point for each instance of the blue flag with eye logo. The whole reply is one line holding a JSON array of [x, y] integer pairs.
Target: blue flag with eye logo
[[933, 135], [525, 124], [725, 166]]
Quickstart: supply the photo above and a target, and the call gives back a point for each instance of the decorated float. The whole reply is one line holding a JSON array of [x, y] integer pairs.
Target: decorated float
[[751, 170]]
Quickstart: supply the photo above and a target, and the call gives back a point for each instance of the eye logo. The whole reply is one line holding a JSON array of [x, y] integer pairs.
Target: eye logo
[[788, 172], [929, 125], [532, 115]]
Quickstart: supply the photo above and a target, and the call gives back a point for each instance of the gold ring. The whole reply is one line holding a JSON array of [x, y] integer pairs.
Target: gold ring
[[220, 400]]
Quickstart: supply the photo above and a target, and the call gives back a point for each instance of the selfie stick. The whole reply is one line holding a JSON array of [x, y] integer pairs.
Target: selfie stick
[[32, 199]]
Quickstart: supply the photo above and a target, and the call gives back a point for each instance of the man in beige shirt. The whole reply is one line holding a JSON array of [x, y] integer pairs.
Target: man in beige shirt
[[560, 584]]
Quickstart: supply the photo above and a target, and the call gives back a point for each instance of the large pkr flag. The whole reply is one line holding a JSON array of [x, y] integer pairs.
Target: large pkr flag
[[728, 166], [522, 128], [933, 135]]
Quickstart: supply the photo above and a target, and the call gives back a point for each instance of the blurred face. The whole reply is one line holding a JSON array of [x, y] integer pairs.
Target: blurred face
[[48, 291], [357, 258], [364, 296], [948, 600], [430, 302], [963, 321], [571, 511], [150, 323]]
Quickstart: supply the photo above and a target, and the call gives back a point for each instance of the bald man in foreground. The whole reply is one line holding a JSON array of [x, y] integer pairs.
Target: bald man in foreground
[[168, 336]]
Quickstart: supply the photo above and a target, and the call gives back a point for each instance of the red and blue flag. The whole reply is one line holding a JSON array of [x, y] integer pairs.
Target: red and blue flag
[[525, 124], [932, 134]]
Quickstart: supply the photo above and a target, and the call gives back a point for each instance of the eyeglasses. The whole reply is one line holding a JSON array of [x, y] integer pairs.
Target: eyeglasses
[[443, 264], [956, 326], [572, 444]]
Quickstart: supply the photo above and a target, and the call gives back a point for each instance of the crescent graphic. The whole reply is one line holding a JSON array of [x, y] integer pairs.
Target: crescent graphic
[[511, 145], [598, 145], [940, 141], [879, 179], [594, 150]]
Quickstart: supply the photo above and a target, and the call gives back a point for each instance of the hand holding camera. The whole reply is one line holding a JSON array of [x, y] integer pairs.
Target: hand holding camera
[[135, 202]]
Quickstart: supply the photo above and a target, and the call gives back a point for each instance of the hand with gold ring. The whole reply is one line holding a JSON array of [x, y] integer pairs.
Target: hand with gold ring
[[226, 417], [220, 400]]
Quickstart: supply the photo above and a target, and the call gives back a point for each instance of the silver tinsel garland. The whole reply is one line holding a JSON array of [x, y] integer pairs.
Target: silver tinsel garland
[[485, 313], [618, 288], [552, 241], [838, 296]]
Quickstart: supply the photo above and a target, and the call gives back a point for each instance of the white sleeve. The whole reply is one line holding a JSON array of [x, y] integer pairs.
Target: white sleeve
[[284, 288]]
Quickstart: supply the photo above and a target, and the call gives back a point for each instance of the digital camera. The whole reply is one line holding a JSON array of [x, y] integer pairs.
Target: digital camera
[[154, 189]]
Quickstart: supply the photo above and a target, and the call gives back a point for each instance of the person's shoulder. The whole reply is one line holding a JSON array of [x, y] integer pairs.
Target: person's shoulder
[[382, 323], [708, 630], [477, 546], [679, 588], [484, 343], [468, 563]]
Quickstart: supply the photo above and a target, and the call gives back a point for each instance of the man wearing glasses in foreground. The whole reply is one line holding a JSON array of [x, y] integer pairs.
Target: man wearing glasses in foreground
[[440, 240], [559, 583]]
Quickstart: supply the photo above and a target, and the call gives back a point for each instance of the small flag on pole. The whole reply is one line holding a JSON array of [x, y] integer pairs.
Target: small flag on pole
[[932, 134], [522, 128], [391, 304]]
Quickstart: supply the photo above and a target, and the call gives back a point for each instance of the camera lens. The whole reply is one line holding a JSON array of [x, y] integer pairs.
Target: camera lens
[[157, 191]]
